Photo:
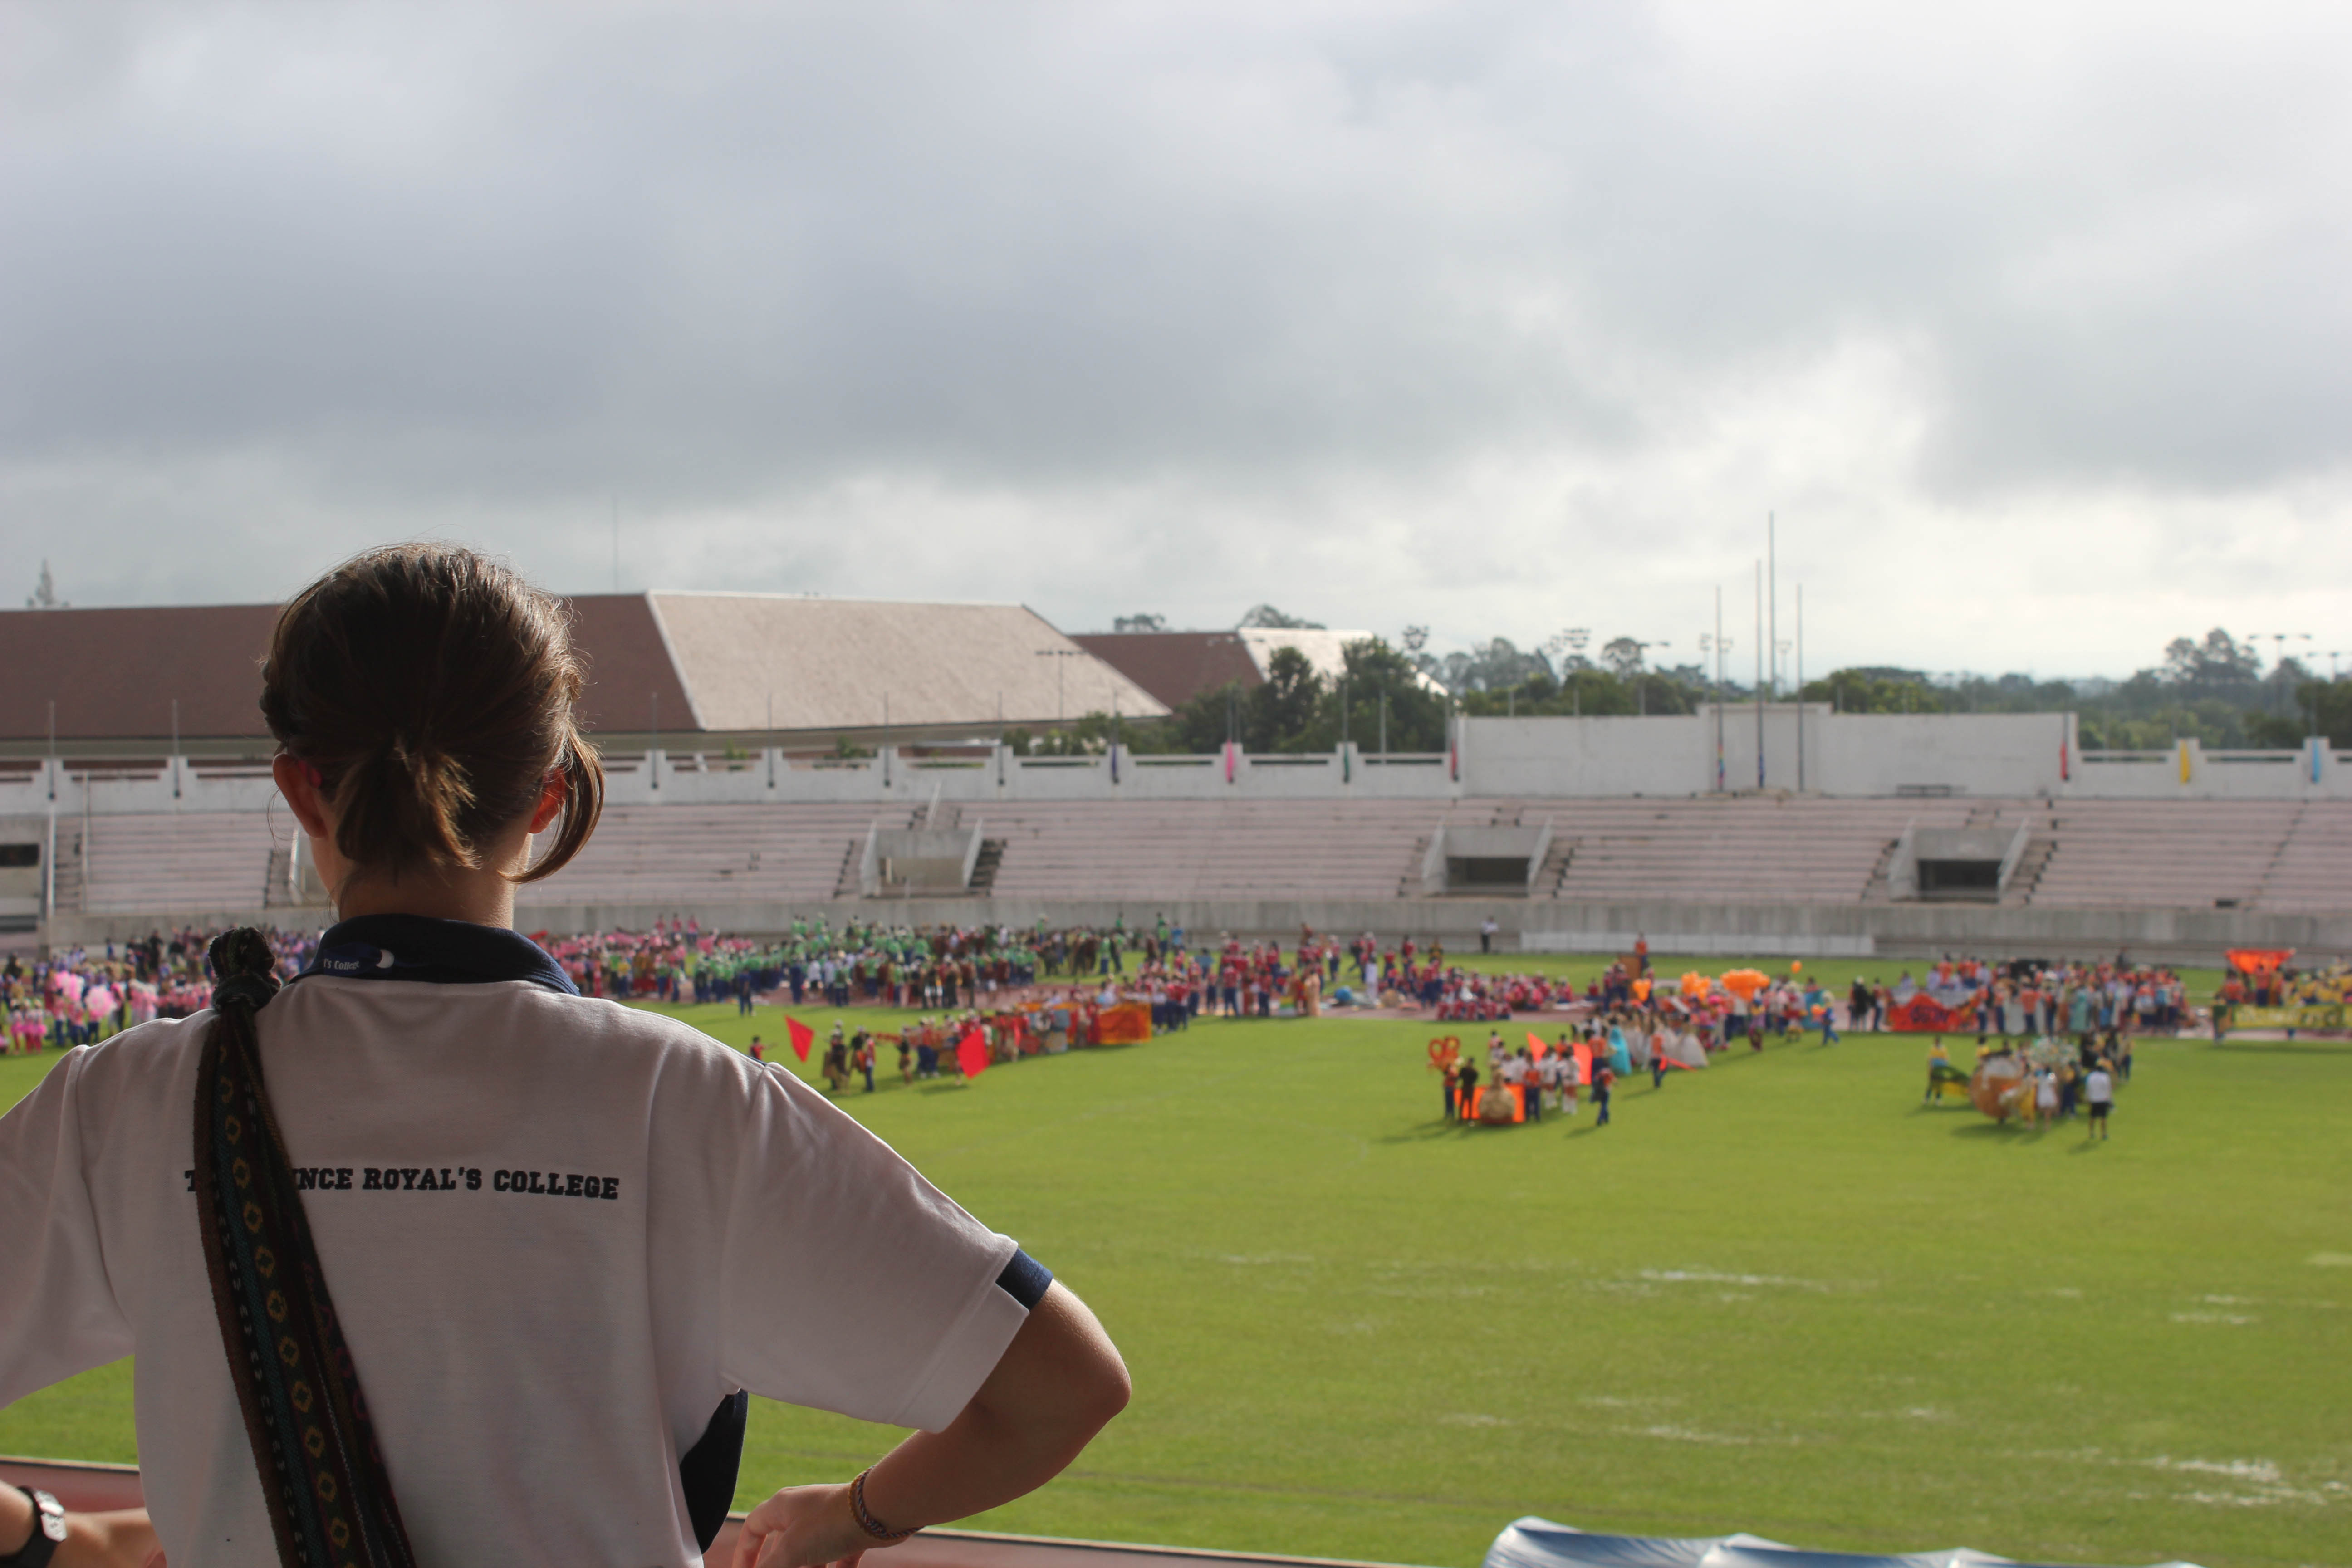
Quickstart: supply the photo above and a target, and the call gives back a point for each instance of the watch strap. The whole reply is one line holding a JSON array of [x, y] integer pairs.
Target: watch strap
[[49, 1531]]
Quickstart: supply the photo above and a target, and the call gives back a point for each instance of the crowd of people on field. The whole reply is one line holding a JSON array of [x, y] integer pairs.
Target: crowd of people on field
[[2039, 1081], [2288, 987], [81, 994]]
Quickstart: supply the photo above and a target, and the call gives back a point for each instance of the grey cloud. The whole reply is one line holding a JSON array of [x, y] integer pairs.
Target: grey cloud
[[1264, 271]]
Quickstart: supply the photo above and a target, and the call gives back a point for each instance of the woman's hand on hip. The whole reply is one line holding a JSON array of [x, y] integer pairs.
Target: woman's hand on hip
[[803, 1527]]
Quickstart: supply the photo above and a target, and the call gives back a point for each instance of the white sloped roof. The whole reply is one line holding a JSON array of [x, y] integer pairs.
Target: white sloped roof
[[834, 664]]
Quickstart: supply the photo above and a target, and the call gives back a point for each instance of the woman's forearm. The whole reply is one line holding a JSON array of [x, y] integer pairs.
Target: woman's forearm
[[1058, 1384], [123, 1538]]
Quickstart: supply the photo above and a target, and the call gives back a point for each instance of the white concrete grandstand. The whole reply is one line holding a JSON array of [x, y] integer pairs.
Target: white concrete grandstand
[[1785, 829], [1812, 875]]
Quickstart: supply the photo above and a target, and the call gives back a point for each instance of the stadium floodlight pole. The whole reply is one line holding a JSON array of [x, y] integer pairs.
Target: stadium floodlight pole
[[1384, 723], [653, 749], [175, 750], [2282, 639], [1759, 674], [1801, 688], [1717, 646], [49, 848], [1772, 595], [770, 747], [1061, 657]]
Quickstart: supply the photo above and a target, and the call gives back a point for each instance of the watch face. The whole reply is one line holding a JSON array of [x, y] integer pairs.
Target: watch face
[[53, 1516]]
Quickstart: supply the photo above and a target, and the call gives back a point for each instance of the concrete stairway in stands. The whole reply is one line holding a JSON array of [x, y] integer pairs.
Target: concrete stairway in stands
[[2312, 872]]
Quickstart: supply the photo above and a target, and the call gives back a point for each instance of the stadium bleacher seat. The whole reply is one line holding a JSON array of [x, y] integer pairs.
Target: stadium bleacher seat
[[678, 854], [172, 862], [2282, 856]]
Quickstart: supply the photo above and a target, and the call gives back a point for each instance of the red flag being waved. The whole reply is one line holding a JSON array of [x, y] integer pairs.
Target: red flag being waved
[[802, 1036], [971, 1054]]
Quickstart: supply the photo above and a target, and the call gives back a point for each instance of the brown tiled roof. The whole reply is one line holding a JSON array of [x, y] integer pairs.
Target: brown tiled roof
[[628, 665], [1174, 667], [114, 673]]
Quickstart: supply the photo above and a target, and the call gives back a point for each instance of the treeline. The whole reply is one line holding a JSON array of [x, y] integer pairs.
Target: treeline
[[1294, 710], [2213, 689]]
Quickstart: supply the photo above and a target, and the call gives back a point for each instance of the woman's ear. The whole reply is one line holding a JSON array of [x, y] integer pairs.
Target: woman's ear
[[298, 781], [551, 796]]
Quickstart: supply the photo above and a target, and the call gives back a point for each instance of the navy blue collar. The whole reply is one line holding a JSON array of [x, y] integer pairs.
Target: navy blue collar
[[445, 952]]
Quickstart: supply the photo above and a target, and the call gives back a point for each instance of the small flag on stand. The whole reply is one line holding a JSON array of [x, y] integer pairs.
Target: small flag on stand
[[971, 1054], [802, 1036]]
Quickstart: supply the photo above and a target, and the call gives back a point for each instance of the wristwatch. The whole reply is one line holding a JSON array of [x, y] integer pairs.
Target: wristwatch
[[49, 1531]]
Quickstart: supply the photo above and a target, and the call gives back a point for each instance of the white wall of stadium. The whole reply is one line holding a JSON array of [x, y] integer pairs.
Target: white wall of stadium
[[1788, 749]]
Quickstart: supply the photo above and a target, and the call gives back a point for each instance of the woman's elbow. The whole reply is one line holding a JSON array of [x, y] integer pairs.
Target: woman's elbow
[[1105, 1389]]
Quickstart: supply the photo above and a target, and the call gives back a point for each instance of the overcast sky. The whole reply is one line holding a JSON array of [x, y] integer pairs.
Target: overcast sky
[[2030, 321]]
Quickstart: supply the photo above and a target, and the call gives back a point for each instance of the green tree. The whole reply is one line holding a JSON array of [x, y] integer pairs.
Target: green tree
[[1280, 714], [1877, 691], [1416, 715], [2329, 702]]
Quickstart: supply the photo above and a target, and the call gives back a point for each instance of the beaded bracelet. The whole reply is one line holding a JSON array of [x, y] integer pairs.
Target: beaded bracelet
[[867, 1521]]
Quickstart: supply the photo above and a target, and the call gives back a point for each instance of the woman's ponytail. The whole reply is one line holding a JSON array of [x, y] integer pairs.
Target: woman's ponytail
[[406, 795]]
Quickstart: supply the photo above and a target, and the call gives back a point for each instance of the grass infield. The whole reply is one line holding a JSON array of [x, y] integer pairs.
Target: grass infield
[[1777, 1296]]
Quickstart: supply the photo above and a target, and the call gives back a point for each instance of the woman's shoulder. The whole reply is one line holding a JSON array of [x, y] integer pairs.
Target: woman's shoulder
[[141, 1050], [638, 1030], [147, 1063]]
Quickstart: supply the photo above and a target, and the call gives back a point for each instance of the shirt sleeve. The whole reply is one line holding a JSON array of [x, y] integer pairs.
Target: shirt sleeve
[[849, 1282], [58, 1314]]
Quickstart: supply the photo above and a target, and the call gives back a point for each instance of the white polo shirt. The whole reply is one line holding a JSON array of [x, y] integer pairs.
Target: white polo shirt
[[559, 1234]]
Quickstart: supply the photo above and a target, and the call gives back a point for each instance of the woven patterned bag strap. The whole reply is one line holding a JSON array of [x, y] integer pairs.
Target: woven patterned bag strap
[[322, 1476]]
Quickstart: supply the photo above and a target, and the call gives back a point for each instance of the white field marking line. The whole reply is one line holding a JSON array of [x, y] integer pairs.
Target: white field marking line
[[1709, 1277], [1672, 1434], [2268, 1484]]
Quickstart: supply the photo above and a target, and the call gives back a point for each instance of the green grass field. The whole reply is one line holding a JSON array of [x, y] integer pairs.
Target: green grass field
[[1777, 1296]]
